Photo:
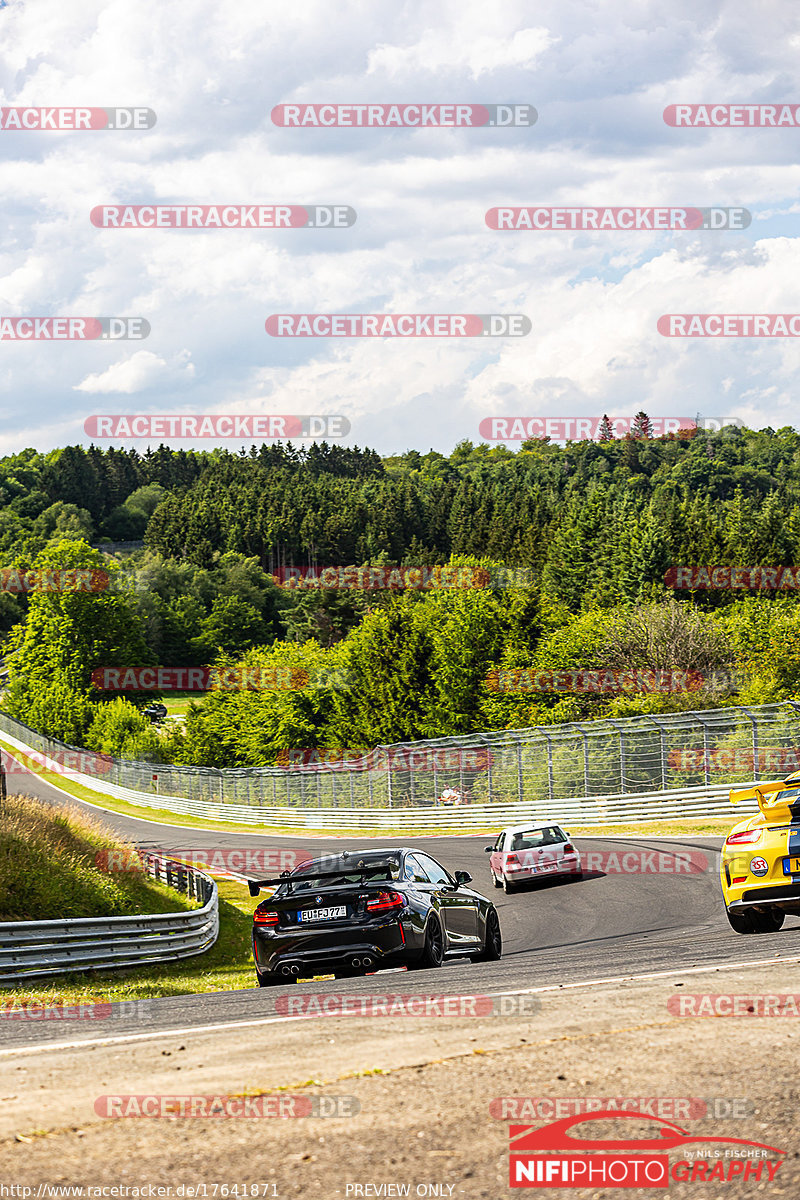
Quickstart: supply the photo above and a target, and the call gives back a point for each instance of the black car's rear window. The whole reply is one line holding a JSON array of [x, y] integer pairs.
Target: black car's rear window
[[332, 878]]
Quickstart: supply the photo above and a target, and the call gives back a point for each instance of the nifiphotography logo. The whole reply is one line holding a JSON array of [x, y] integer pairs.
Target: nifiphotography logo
[[550, 1156]]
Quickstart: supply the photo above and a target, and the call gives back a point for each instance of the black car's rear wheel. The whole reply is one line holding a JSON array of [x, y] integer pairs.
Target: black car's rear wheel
[[493, 945], [268, 979], [433, 951]]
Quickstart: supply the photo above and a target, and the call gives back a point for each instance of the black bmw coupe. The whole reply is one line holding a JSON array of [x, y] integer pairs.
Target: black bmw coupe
[[361, 910]]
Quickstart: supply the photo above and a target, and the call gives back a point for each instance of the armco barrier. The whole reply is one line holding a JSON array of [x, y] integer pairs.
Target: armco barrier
[[29, 949]]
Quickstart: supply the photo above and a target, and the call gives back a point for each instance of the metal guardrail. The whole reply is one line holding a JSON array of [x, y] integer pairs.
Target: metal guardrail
[[594, 811], [30, 949]]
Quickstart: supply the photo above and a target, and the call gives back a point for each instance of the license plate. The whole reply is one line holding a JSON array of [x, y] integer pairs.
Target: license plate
[[791, 866], [322, 914]]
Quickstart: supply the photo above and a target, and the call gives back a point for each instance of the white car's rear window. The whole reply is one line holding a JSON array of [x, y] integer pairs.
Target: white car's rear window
[[532, 839]]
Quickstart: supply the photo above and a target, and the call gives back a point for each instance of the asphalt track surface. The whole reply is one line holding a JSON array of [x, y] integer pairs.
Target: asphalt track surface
[[611, 925]]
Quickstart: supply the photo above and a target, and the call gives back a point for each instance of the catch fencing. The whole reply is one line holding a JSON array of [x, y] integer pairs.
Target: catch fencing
[[594, 771], [29, 949], [605, 757]]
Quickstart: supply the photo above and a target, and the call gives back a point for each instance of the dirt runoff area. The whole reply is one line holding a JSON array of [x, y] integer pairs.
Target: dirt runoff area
[[419, 1103]]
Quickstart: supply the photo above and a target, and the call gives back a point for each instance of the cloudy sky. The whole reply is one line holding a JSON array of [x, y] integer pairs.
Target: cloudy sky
[[599, 76]]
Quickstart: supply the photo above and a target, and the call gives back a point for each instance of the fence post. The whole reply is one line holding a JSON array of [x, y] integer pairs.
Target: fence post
[[662, 739], [614, 725], [489, 780], [706, 754], [585, 763], [756, 765], [549, 766], [519, 768]]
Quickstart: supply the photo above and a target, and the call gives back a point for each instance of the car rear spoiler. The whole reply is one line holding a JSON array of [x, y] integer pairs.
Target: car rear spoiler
[[255, 885], [766, 795]]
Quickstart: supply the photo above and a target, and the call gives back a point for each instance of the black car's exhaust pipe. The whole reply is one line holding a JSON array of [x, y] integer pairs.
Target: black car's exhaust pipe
[[289, 969], [355, 962], [367, 962]]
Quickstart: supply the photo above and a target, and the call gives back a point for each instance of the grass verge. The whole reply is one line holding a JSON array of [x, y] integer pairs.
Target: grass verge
[[51, 867]]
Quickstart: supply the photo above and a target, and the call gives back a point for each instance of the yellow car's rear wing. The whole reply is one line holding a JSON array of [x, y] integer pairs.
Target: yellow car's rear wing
[[775, 799]]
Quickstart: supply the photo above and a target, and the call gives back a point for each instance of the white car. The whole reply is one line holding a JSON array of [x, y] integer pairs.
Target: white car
[[529, 852]]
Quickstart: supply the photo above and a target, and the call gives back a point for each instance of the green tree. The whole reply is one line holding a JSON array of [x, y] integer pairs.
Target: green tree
[[65, 636]]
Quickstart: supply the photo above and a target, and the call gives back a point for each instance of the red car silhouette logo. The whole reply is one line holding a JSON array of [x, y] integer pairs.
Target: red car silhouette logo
[[527, 1139]]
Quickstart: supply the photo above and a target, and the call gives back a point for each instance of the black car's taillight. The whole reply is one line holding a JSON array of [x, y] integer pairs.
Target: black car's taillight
[[265, 918], [385, 901]]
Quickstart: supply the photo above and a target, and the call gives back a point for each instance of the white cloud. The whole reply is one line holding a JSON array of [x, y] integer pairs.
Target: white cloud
[[599, 77], [141, 371], [452, 51]]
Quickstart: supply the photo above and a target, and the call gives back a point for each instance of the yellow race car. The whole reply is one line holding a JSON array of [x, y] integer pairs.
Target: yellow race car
[[760, 867]]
